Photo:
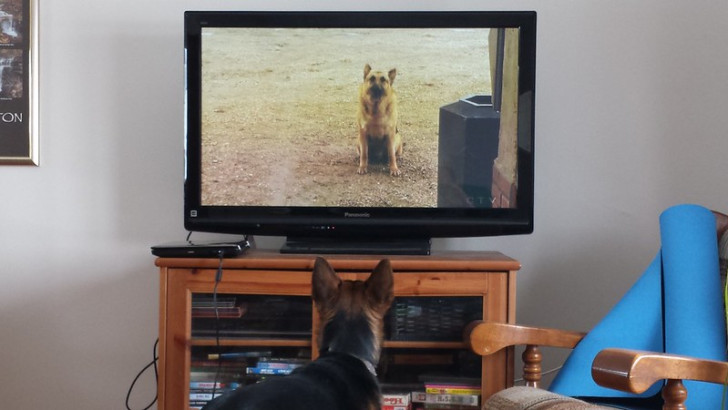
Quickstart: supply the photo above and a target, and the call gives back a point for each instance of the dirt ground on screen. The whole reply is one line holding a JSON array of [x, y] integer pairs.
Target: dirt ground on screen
[[279, 113]]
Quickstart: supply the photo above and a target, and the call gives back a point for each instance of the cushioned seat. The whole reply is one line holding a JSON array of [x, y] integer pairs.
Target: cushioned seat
[[528, 398]]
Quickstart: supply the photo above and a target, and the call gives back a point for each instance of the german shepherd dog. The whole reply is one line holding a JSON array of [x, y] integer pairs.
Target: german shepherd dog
[[377, 118], [350, 337]]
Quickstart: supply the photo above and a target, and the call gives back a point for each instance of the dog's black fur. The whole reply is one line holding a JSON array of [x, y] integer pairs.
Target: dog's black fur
[[342, 378]]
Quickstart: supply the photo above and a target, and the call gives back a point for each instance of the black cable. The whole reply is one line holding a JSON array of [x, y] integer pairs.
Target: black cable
[[155, 358], [218, 278]]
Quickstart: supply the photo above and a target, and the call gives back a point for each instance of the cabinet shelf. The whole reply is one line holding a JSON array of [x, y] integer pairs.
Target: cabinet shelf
[[435, 296], [252, 342], [388, 344]]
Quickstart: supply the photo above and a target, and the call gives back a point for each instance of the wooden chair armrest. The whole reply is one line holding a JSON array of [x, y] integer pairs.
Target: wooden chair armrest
[[635, 371], [486, 338]]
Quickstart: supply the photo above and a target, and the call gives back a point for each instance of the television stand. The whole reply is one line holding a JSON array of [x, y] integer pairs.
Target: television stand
[[409, 246], [435, 297]]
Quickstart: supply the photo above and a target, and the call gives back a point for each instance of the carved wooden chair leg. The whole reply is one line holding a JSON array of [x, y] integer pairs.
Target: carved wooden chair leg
[[674, 393], [532, 365]]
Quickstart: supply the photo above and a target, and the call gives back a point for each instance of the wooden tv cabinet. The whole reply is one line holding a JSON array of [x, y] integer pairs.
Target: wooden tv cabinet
[[262, 280]]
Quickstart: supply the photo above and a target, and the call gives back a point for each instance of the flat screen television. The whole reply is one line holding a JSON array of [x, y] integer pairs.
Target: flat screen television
[[280, 106]]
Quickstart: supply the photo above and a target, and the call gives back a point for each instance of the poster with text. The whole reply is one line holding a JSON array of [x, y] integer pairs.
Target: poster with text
[[18, 82]]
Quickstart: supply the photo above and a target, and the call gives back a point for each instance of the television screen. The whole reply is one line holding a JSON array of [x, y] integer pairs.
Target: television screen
[[340, 124]]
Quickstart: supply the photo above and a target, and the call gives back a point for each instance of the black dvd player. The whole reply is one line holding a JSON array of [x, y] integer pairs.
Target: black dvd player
[[200, 249]]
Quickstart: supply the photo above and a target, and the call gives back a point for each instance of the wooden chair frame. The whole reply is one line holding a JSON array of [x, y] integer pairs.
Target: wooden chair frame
[[625, 370]]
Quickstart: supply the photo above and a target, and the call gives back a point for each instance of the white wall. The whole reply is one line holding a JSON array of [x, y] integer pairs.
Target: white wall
[[631, 118]]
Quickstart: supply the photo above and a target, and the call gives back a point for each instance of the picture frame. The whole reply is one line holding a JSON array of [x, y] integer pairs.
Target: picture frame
[[19, 97]]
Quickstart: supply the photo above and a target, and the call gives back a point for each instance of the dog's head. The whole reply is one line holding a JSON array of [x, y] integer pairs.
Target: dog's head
[[376, 83], [352, 311]]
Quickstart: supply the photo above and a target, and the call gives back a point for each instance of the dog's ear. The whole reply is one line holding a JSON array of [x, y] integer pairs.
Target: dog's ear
[[392, 74], [324, 282], [367, 69], [380, 285]]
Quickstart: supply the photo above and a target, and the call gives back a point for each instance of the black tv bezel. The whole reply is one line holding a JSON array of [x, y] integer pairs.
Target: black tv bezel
[[366, 222]]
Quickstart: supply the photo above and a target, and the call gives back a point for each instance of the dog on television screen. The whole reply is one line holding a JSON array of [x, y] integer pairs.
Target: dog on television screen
[[377, 119], [351, 331]]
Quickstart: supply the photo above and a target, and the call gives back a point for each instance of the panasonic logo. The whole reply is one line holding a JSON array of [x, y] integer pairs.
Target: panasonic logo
[[357, 215]]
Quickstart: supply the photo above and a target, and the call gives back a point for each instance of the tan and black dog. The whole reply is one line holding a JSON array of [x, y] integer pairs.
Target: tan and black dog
[[377, 118], [350, 338]]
